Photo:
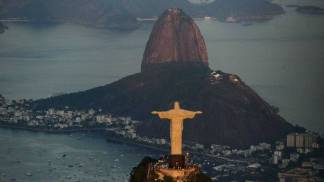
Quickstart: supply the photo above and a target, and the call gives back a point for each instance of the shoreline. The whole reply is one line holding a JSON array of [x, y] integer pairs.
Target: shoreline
[[51, 131], [256, 18], [113, 26], [111, 137]]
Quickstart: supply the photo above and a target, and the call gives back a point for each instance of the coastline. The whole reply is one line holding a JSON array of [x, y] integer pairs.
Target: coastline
[[125, 26], [122, 26], [113, 137], [109, 136], [51, 131]]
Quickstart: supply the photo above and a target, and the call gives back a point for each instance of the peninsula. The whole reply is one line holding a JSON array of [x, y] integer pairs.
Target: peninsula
[[175, 67]]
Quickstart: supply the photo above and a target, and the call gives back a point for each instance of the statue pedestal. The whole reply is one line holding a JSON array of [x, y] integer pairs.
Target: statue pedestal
[[176, 161], [178, 175]]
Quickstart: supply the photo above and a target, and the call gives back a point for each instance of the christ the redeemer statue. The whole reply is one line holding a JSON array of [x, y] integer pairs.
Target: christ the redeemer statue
[[176, 115]]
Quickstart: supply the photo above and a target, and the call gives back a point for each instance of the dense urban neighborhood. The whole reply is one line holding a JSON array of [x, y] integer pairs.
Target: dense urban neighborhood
[[299, 156]]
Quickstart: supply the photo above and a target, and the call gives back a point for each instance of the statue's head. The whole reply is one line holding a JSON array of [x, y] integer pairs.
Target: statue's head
[[176, 105]]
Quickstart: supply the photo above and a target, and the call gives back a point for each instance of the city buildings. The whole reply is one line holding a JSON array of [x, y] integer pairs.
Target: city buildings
[[297, 175], [224, 162], [303, 142]]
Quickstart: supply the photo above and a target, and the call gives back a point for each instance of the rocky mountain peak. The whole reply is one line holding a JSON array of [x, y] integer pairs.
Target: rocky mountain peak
[[234, 114], [175, 38]]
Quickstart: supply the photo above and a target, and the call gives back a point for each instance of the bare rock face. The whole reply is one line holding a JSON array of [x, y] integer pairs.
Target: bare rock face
[[175, 39]]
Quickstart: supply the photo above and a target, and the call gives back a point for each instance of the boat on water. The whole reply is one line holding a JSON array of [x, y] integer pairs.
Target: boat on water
[[209, 18], [246, 23]]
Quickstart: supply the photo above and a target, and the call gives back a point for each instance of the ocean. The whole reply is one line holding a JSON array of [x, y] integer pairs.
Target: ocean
[[42, 157]]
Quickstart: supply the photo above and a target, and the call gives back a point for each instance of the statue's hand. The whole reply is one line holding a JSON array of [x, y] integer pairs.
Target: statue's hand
[[198, 112]]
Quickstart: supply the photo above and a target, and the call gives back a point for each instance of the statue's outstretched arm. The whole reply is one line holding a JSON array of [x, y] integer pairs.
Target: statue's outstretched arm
[[162, 115], [191, 114]]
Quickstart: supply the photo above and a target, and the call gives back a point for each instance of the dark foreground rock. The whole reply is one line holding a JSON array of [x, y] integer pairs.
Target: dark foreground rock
[[233, 113]]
